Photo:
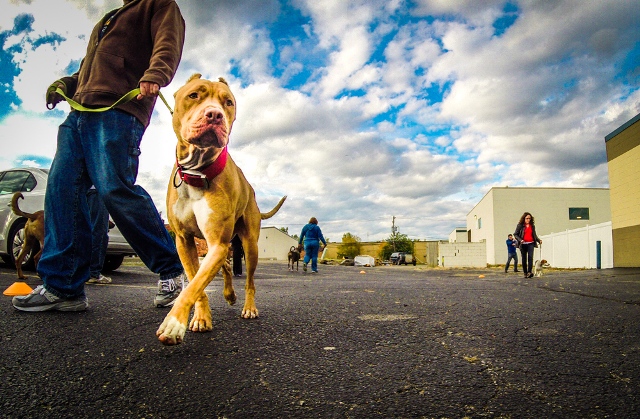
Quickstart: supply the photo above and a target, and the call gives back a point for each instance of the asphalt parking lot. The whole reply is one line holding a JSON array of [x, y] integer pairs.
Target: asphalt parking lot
[[392, 342]]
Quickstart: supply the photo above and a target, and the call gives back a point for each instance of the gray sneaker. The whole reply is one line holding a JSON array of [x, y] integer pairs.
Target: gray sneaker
[[169, 289], [100, 280], [42, 300]]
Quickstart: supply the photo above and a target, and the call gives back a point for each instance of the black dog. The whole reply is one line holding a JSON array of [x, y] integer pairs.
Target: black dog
[[294, 257]]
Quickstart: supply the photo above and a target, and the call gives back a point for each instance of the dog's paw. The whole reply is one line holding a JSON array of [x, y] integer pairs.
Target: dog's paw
[[201, 322], [230, 297], [200, 325], [171, 331], [249, 313]]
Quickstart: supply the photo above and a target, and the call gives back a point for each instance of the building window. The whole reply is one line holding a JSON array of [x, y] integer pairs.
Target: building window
[[578, 213], [479, 223]]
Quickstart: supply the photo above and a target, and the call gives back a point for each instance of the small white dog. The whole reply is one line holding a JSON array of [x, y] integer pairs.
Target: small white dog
[[538, 269]]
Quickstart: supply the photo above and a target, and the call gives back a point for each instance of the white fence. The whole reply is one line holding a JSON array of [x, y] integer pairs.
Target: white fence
[[577, 248]]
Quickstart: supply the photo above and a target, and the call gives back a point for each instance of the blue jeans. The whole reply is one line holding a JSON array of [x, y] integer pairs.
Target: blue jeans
[[513, 256], [311, 248], [99, 232], [100, 149]]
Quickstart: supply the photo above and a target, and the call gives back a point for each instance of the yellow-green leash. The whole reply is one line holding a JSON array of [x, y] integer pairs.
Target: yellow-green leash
[[126, 98]]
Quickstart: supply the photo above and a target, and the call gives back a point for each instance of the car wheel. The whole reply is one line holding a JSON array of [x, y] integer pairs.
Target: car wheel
[[112, 262], [16, 239]]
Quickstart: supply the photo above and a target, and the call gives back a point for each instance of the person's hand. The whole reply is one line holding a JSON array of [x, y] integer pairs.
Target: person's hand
[[148, 89], [52, 98]]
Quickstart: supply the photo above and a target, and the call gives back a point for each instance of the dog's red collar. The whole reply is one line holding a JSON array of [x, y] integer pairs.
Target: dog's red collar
[[201, 179]]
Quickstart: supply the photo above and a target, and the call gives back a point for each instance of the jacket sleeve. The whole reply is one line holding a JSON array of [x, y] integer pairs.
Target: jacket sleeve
[[321, 237], [70, 84], [518, 233], [167, 32], [302, 234]]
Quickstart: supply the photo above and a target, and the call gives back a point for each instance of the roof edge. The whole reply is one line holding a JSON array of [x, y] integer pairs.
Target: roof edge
[[622, 127]]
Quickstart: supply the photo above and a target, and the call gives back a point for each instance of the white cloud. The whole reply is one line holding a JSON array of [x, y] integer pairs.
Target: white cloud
[[24, 134]]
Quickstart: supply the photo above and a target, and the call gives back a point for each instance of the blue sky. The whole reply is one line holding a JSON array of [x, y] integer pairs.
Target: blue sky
[[359, 111]]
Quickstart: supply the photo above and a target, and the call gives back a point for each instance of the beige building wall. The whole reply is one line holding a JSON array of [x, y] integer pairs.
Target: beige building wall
[[459, 235], [498, 213], [274, 244], [425, 252], [623, 157], [366, 248], [480, 223], [463, 255]]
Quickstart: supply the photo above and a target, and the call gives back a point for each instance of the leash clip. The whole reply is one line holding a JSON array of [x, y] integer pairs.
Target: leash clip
[[175, 174]]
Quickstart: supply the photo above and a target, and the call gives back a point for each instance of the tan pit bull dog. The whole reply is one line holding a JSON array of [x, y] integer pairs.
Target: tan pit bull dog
[[33, 233], [208, 197]]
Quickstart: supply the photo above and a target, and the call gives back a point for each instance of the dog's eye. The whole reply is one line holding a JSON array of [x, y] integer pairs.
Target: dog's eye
[[229, 102], [193, 95]]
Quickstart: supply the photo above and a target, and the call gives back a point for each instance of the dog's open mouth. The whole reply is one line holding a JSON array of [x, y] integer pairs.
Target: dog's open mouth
[[206, 135]]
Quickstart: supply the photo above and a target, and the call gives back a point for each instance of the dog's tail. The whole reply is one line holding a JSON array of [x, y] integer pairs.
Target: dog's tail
[[18, 211], [274, 210]]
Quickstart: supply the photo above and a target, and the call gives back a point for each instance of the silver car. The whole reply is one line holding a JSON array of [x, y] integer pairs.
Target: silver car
[[32, 183]]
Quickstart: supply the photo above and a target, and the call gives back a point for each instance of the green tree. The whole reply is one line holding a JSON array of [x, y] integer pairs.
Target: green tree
[[350, 246], [397, 242], [286, 231]]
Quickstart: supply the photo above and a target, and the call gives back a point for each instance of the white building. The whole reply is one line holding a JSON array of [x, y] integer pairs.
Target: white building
[[274, 244], [459, 235], [554, 210]]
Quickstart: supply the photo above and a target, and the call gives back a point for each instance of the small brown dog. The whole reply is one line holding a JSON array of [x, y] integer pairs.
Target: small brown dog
[[294, 257], [208, 197], [538, 267], [33, 233]]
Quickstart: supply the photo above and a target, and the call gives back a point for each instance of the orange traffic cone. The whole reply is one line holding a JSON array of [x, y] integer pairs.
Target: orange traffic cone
[[18, 288]]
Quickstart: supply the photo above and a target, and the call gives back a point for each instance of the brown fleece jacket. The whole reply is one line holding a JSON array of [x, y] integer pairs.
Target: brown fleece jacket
[[143, 42]]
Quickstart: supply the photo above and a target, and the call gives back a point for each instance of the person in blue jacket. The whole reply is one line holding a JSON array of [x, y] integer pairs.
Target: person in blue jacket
[[312, 236], [512, 245]]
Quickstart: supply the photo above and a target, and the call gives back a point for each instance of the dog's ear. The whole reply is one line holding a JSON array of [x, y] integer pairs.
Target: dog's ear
[[222, 80], [194, 76]]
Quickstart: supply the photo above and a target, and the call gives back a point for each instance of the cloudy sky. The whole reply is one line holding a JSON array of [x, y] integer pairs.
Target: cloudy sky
[[362, 110]]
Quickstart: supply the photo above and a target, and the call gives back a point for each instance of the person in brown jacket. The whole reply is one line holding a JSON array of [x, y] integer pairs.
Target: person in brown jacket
[[137, 45]]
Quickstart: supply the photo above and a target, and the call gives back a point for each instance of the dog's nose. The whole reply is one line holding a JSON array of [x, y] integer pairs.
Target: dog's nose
[[213, 115]]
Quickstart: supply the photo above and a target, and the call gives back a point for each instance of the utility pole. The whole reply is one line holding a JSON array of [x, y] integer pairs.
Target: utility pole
[[394, 230]]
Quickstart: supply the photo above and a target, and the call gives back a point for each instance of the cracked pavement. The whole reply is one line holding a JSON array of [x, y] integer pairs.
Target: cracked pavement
[[394, 341]]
